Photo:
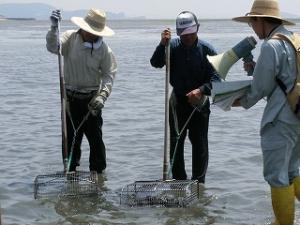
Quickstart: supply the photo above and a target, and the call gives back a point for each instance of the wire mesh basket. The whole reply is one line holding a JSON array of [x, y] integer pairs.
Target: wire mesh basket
[[169, 193], [79, 183]]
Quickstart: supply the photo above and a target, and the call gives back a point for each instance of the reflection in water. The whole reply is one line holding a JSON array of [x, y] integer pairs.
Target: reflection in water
[[79, 210], [196, 212]]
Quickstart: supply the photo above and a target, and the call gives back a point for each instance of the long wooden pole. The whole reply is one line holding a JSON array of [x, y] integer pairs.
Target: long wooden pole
[[166, 133], [63, 100]]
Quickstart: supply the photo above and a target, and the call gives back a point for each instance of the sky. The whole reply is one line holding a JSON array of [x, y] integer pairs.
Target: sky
[[166, 9]]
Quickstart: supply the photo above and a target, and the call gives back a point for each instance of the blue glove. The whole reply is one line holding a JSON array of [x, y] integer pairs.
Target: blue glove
[[96, 105], [55, 17]]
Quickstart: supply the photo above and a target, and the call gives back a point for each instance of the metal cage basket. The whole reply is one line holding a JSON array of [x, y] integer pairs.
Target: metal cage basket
[[79, 183], [170, 193]]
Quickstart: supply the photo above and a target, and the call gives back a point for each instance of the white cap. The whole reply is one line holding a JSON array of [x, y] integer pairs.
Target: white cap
[[186, 23]]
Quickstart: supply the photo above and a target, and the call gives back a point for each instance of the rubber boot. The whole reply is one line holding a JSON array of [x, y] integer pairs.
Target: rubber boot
[[283, 202], [297, 187]]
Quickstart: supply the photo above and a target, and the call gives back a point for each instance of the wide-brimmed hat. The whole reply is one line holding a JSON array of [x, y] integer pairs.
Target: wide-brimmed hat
[[94, 23], [264, 8]]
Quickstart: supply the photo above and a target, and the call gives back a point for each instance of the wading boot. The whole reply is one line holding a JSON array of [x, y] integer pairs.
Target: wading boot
[[283, 202], [297, 187]]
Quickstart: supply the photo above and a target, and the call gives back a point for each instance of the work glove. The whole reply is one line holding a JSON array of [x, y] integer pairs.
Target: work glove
[[96, 104], [55, 18]]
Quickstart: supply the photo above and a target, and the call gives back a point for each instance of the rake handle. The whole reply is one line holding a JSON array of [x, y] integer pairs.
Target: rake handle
[[63, 100], [166, 131]]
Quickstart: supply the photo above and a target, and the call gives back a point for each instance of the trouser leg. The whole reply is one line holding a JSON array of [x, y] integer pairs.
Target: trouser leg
[[278, 143], [198, 129], [93, 132], [177, 158], [176, 142], [74, 143]]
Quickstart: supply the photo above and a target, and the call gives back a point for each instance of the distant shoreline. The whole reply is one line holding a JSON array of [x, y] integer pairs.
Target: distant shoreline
[[20, 18], [126, 19], [17, 19]]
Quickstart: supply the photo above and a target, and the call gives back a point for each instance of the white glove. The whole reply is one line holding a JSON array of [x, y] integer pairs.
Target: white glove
[[55, 17], [96, 105]]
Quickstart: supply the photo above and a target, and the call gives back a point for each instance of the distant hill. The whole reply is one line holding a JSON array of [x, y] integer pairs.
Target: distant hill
[[290, 15], [42, 11]]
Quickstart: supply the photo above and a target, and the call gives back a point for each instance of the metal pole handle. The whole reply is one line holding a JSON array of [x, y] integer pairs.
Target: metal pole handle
[[63, 98], [166, 133]]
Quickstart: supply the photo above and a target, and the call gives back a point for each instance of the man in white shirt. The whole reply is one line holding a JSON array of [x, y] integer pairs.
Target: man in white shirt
[[89, 71]]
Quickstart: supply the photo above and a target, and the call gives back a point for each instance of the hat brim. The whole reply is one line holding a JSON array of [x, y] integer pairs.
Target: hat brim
[[245, 19], [189, 30], [80, 22]]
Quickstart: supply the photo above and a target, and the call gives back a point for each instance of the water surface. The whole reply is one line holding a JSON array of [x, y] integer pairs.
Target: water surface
[[235, 192]]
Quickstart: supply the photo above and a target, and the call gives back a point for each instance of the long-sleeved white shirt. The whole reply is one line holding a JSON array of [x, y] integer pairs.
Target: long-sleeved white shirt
[[85, 69]]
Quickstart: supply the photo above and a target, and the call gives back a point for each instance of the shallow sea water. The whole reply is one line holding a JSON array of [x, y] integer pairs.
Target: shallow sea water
[[235, 192]]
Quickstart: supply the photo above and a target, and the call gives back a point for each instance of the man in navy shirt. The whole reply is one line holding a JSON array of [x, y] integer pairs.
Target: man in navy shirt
[[190, 76]]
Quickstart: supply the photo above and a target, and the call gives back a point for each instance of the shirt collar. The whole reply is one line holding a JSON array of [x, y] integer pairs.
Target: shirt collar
[[274, 31], [94, 45]]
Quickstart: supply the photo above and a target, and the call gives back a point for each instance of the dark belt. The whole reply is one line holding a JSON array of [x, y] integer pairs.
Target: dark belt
[[73, 94]]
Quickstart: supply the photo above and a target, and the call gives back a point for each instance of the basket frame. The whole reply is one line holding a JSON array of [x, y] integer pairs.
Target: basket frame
[[79, 183]]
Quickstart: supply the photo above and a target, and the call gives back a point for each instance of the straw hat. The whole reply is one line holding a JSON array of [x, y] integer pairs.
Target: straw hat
[[94, 23], [263, 8]]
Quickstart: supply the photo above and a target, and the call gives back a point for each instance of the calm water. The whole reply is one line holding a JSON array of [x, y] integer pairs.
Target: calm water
[[235, 192]]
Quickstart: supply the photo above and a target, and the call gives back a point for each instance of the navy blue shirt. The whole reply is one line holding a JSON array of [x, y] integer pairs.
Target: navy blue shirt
[[189, 67]]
